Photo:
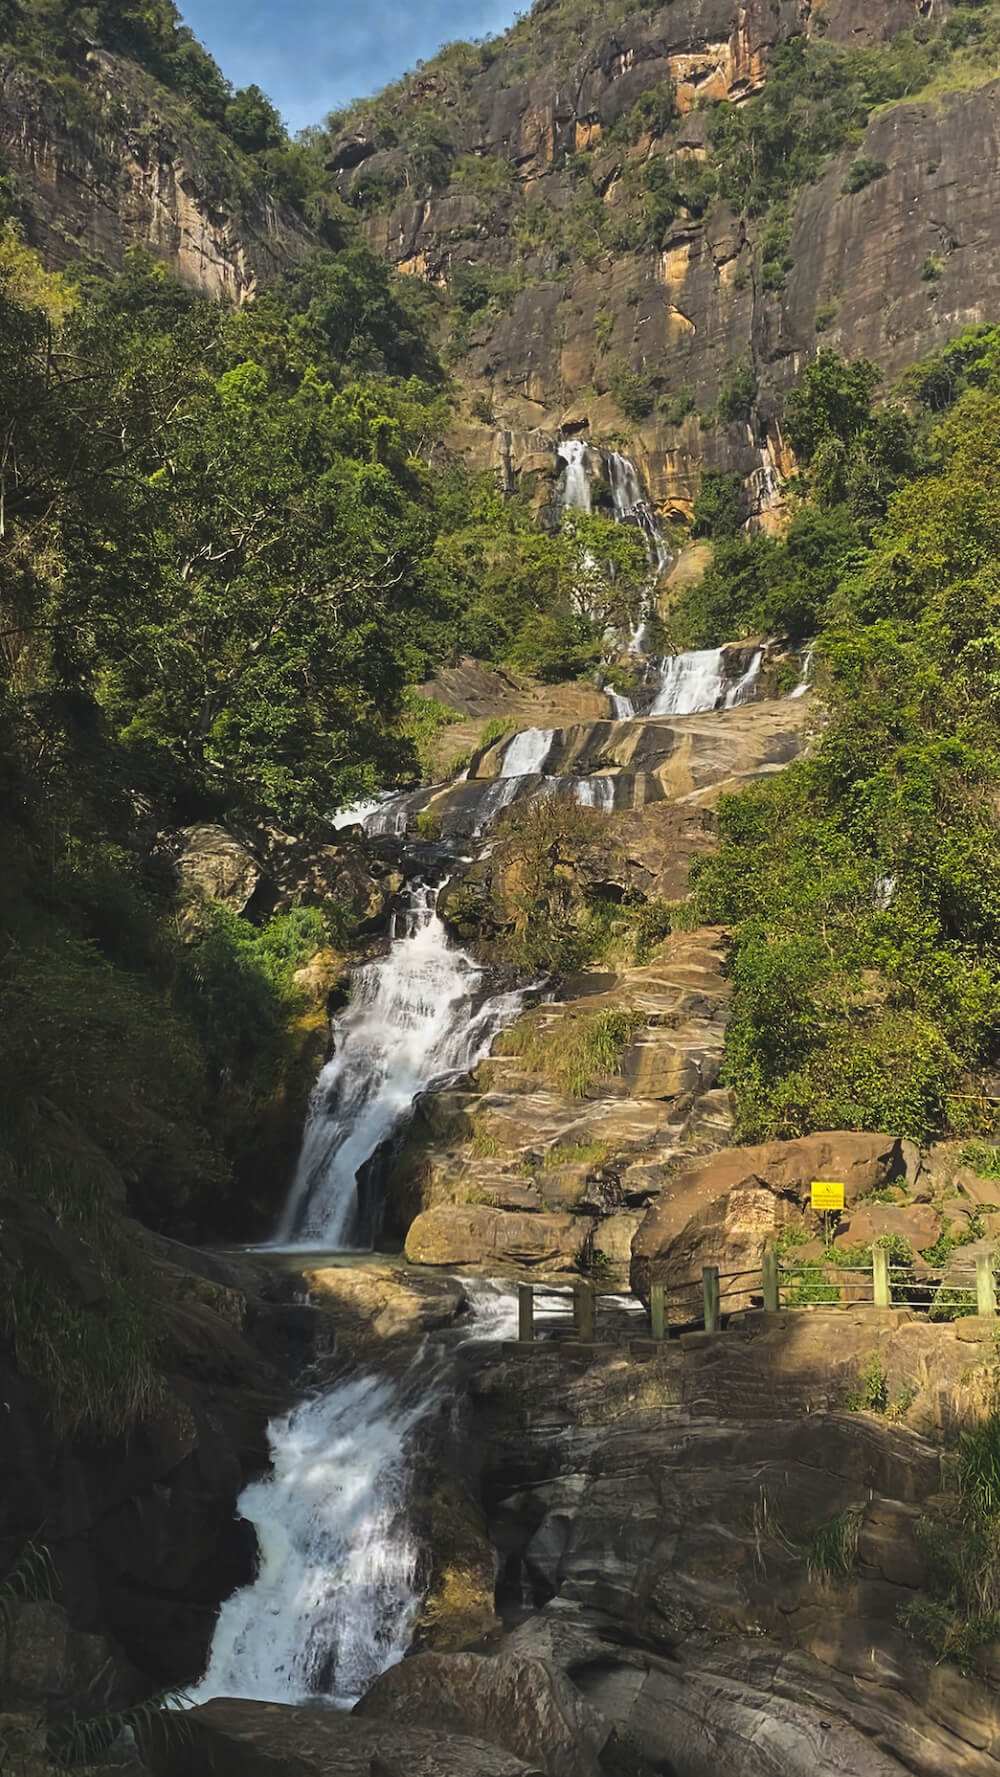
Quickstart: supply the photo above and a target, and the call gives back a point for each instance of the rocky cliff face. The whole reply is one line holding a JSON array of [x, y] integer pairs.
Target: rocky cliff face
[[111, 163], [546, 158]]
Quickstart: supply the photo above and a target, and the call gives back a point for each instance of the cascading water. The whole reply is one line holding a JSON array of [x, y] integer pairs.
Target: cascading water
[[596, 792], [694, 683], [418, 1016], [576, 485], [691, 683], [527, 752], [805, 674], [340, 1577], [337, 1588], [745, 687]]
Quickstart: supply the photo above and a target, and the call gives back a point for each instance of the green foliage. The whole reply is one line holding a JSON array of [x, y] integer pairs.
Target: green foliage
[[737, 392], [861, 172], [960, 1610], [675, 408], [536, 895], [85, 1740], [29, 1579], [575, 1051], [832, 1550], [818, 98], [633, 390], [718, 508], [423, 721], [982, 1157], [850, 1008], [873, 1394], [652, 115]]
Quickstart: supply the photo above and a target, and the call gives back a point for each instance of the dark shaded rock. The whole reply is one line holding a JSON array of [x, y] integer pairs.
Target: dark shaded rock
[[236, 1739], [525, 1705], [349, 152]]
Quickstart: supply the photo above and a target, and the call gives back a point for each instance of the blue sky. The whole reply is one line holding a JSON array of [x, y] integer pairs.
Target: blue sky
[[312, 56]]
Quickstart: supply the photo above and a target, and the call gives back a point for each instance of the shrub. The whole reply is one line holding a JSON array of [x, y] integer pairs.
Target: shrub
[[862, 172], [633, 390], [832, 1550], [737, 392]]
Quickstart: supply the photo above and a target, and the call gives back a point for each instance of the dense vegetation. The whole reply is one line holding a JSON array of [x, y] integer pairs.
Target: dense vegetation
[[863, 885], [225, 560]]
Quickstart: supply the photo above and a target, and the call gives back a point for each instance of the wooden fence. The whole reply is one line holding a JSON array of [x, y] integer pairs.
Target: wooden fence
[[781, 1284]]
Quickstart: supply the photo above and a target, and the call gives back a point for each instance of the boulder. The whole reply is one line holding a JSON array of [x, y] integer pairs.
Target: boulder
[[218, 866], [917, 1223], [385, 1302], [473, 1234], [983, 1192], [232, 1738], [525, 1705], [613, 1238], [723, 1210]]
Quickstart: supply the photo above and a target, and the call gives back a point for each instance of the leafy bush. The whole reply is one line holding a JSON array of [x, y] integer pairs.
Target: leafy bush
[[633, 390], [718, 507], [862, 172], [737, 392]]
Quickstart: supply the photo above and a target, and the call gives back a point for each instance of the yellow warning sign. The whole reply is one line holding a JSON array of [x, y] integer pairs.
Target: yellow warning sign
[[827, 1195]]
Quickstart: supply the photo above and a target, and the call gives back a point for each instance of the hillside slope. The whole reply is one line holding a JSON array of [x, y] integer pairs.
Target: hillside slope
[[643, 221]]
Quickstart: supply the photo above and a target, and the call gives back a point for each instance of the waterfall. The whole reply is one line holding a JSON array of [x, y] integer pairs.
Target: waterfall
[[805, 673], [745, 687], [340, 1575], [337, 1590], [632, 507], [690, 683], [576, 485], [527, 752], [418, 1017], [596, 792], [498, 795], [623, 709], [356, 814], [625, 487]]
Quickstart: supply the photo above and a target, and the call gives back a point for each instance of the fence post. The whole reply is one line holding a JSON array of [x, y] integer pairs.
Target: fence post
[[583, 1312], [525, 1313], [986, 1301], [657, 1311], [710, 1294], [880, 1277], [771, 1279]]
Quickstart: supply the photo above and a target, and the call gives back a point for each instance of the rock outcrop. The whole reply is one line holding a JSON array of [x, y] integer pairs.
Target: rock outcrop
[[123, 166], [661, 1514], [725, 1209], [890, 267]]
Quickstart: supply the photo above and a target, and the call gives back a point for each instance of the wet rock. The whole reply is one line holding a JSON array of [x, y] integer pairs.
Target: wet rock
[[236, 1739], [525, 1705], [384, 1302], [453, 1234]]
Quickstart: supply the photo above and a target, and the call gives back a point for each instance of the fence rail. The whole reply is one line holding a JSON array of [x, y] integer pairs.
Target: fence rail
[[702, 1300]]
